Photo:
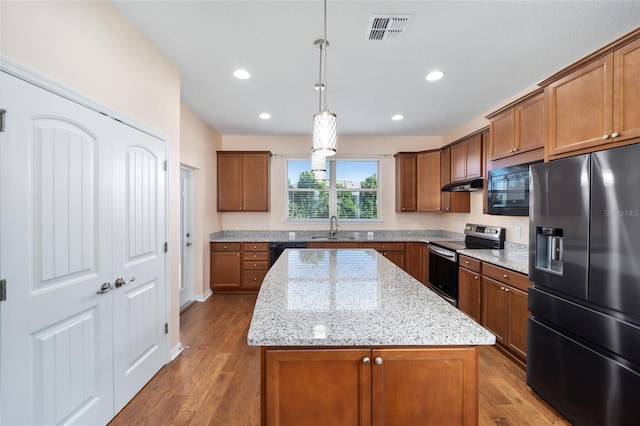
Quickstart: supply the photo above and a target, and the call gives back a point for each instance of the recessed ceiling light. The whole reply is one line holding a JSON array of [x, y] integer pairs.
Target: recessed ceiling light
[[397, 117], [435, 75], [241, 74], [265, 116]]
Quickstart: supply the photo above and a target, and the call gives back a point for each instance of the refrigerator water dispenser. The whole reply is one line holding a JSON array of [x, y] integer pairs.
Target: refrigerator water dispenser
[[549, 249]]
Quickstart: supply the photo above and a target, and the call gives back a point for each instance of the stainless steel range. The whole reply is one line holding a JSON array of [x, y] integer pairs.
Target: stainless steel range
[[443, 258]]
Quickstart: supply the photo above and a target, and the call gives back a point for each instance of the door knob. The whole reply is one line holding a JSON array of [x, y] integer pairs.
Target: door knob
[[188, 244], [120, 282], [105, 288]]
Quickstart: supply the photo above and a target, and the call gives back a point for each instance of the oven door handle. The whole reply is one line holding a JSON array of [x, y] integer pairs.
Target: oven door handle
[[444, 253]]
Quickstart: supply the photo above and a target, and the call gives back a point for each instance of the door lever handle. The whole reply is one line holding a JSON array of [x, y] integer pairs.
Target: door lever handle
[[189, 244], [105, 288], [120, 282]]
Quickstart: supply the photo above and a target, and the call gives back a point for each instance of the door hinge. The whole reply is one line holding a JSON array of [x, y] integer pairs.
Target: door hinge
[[165, 165], [166, 247], [166, 328], [3, 290], [3, 113]]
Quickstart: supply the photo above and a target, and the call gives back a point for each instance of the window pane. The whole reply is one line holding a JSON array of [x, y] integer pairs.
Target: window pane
[[308, 204], [299, 175], [356, 174], [357, 204]]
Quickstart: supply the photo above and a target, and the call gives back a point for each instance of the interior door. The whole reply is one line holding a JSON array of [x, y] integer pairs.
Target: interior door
[[186, 286], [55, 253], [138, 261]]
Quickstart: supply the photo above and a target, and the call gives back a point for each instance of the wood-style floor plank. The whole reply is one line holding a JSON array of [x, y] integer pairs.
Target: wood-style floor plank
[[216, 379]]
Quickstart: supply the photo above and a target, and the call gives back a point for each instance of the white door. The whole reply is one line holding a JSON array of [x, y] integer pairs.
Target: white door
[[55, 254], [186, 236], [138, 262], [82, 205]]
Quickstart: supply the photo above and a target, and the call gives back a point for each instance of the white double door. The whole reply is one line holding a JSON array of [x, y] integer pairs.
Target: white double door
[[82, 201]]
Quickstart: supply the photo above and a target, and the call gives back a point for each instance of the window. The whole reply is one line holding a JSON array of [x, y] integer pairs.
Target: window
[[349, 192]]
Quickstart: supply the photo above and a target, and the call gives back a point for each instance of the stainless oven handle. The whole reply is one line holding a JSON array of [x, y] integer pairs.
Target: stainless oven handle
[[440, 293], [444, 253]]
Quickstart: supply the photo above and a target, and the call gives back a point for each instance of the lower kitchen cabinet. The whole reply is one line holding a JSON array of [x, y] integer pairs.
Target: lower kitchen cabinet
[[469, 286], [226, 267], [392, 251], [505, 307], [395, 386], [255, 265], [413, 260]]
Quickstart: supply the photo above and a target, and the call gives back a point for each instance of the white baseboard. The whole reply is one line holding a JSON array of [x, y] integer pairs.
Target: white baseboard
[[177, 350], [204, 296]]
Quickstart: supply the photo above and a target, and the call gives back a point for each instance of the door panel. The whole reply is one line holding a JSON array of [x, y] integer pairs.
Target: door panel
[[55, 331], [138, 260]]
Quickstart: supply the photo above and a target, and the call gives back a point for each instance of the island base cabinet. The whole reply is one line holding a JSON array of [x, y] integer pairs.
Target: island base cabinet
[[376, 387]]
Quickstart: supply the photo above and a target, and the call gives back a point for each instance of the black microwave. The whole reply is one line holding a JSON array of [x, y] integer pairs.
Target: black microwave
[[508, 191]]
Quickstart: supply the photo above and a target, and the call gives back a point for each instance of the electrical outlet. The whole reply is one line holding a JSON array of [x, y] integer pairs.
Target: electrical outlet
[[518, 231]]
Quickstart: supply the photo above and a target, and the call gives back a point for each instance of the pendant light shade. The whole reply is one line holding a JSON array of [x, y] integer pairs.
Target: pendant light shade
[[318, 166], [324, 133]]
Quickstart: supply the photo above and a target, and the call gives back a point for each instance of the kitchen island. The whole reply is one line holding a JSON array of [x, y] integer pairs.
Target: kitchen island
[[347, 337]]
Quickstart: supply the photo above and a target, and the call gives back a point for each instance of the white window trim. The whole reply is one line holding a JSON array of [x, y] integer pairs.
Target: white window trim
[[333, 196]]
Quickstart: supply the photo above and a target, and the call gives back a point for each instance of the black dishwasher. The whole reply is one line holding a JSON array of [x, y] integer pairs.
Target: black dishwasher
[[276, 249]]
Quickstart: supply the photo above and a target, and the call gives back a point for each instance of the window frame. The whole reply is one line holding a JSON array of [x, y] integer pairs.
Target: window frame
[[333, 192]]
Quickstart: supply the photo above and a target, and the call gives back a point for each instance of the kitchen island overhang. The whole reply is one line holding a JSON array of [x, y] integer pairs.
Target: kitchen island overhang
[[345, 334]]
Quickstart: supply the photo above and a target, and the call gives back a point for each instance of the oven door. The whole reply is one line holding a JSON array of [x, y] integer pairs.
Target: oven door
[[443, 273]]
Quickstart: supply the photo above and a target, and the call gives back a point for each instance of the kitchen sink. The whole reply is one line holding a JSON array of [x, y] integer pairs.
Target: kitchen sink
[[332, 238]]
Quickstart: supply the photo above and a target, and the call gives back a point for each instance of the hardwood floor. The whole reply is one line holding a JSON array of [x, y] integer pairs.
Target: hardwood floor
[[216, 379]]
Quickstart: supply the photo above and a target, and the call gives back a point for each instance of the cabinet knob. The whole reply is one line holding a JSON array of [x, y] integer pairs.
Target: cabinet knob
[[366, 360], [254, 265], [505, 276], [237, 254], [255, 255], [615, 135], [466, 261], [225, 247], [605, 137], [506, 289], [502, 288], [475, 276], [255, 279], [378, 360]]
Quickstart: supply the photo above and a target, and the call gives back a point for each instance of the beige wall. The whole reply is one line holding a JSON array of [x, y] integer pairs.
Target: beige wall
[[92, 49], [199, 143]]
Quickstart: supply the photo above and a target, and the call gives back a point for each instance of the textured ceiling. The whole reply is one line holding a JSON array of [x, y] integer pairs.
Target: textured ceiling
[[488, 50]]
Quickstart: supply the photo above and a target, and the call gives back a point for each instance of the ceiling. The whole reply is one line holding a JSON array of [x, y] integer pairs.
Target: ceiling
[[488, 50]]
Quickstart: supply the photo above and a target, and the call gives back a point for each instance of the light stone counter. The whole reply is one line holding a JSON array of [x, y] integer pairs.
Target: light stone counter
[[353, 298], [514, 257]]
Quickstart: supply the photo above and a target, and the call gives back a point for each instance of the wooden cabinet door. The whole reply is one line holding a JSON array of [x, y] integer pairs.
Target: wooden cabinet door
[[474, 157], [580, 108], [317, 387], [413, 260], [425, 264], [424, 387], [529, 120], [626, 89], [428, 181], [255, 182], [229, 184], [517, 314], [396, 257], [406, 182], [494, 305], [226, 270], [445, 178], [469, 293], [503, 134], [458, 162]]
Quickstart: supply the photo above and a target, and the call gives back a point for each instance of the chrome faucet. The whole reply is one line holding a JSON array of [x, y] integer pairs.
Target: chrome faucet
[[333, 226]]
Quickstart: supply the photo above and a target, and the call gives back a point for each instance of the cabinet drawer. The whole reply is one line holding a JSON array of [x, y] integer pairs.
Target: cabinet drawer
[[253, 279], [506, 276], [384, 246], [258, 264], [470, 263], [225, 246], [256, 247], [255, 255]]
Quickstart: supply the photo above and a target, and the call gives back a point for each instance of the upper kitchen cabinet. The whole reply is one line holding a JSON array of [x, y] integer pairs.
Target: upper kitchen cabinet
[[406, 178], [466, 159], [593, 104], [451, 202], [428, 181], [243, 181], [518, 128]]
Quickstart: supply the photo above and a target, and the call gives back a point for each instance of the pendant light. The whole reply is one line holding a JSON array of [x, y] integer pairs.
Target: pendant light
[[318, 166], [324, 121]]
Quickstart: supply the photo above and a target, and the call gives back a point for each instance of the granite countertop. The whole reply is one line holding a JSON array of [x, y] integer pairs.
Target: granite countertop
[[514, 257], [353, 297]]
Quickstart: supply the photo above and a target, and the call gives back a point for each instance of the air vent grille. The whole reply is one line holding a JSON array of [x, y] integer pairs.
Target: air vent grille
[[387, 27]]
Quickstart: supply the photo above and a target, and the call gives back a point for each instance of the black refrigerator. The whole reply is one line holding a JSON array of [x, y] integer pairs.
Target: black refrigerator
[[583, 348]]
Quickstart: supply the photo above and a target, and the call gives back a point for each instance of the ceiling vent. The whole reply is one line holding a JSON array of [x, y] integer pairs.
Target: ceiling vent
[[387, 27]]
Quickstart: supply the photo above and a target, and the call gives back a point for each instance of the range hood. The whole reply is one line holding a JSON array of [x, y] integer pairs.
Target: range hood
[[470, 185]]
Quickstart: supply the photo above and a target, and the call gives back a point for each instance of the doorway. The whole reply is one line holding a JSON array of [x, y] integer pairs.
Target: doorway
[[185, 282]]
